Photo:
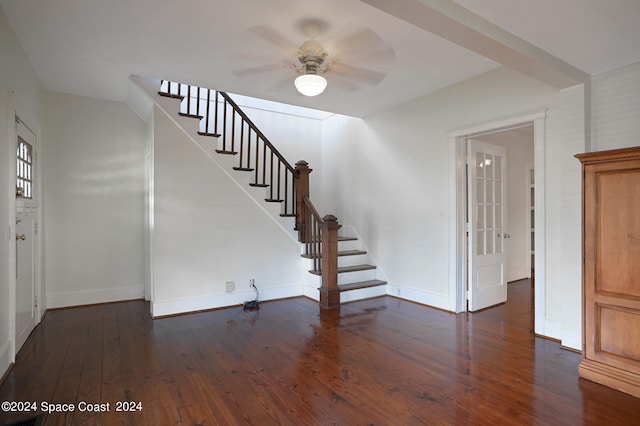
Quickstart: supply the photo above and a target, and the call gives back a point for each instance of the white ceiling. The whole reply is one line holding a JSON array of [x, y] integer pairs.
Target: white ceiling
[[91, 47]]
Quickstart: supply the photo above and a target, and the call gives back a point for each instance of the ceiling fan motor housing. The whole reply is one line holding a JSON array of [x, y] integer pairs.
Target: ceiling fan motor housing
[[312, 57]]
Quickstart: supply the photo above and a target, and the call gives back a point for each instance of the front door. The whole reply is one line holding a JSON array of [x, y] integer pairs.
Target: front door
[[486, 217]]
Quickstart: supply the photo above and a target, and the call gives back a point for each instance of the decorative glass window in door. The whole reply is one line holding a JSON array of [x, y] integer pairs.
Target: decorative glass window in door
[[24, 181], [489, 203]]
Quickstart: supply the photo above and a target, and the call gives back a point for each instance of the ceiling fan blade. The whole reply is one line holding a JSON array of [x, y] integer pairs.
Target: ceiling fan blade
[[351, 44], [382, 55], [273, 37], [260, 69], [342, 83], [363, 75], [382, 58]]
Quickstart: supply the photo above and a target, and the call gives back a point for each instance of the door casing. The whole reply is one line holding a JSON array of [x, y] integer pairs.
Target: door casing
[[458, 192]]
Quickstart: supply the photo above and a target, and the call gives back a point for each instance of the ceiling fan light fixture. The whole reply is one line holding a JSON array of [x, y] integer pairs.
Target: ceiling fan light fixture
[[310, 84]]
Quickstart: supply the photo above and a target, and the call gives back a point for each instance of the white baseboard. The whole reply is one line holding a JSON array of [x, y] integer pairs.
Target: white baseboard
[[201, 303], [311, 291], [90, 297], [426, 298]]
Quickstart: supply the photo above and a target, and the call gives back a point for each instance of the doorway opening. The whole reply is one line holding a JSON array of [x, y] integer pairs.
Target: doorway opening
[[531, 122]]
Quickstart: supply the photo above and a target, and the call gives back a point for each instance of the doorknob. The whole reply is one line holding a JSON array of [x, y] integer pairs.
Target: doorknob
[[21, 237]]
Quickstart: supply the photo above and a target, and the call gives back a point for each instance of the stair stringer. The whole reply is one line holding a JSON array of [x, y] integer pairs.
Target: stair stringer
[[208, 145]]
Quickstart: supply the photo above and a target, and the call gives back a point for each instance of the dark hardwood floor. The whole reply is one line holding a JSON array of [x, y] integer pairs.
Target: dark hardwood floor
[[382, 361]]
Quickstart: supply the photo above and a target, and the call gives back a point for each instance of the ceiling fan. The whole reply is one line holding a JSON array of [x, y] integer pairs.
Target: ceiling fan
[[348, 60]]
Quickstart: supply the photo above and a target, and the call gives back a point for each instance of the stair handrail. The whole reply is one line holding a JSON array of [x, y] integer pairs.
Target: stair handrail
[[313, 234], [280, 171], [261, 135]]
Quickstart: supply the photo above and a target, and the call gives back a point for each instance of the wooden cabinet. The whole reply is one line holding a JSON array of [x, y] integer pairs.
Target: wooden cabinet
[[611, 268]]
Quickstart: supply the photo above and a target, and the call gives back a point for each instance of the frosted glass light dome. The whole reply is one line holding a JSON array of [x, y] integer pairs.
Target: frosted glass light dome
[[310, 84]]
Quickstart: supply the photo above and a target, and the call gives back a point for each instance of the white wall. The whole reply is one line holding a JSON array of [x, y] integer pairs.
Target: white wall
[[519, 146], [397, 165], [616, 109], [566, 137], [207, 231], [148, 209], [16, 75], [95, 175]]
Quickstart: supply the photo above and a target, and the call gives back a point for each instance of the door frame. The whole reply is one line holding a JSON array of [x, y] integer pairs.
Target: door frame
[[458, 196], [13, 113]]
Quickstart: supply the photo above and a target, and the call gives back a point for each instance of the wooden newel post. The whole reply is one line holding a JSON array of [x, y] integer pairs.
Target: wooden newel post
[[329, 292], [302, 190]]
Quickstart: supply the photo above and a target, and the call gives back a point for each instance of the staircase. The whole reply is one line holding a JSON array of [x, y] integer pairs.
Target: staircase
[[336, 261]]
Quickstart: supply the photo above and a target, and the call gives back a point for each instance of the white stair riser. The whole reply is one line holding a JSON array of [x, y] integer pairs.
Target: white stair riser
[[362, 293], [352, 277], [348, 245], [360, 259]]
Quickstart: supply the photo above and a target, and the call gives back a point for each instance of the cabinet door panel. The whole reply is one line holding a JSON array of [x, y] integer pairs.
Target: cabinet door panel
[[618, 232], [618, 333]]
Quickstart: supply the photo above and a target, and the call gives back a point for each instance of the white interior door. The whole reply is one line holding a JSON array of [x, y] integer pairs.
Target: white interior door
[[25, 277], [487, 216], [26, 288]]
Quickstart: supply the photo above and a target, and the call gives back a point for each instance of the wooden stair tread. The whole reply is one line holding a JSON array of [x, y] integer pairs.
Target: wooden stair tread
[[273, 200], [243, 169], [361, 284], [170, 95], [340, 238], [220, 151], [352, 268], [184, 114], [213, 135], [259, 185], [340, 253], [355, 268]]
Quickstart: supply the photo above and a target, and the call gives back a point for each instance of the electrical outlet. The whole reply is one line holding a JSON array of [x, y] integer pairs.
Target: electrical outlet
[[252, 282], [229, 287]]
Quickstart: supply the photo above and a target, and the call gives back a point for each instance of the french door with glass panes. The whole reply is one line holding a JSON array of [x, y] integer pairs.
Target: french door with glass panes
[[486, 224]]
